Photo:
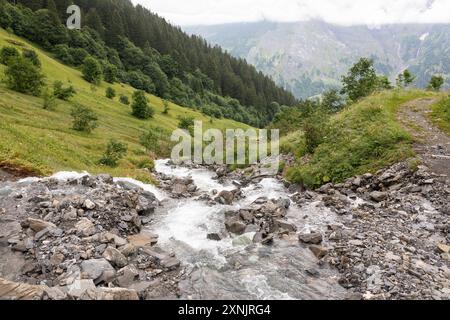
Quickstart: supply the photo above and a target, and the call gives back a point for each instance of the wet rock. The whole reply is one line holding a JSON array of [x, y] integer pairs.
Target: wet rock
[[214, 236], [311, 238], [235, 226], [290, 227], [225, 197], [115, 257], [319, 251]]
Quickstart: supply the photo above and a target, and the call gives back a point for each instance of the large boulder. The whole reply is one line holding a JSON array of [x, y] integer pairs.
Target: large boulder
[[99, 270]]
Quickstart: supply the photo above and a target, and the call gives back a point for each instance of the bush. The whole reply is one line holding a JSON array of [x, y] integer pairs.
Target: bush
[[33, 57], [124, 100], [24, 77], [92, 70], [110, 93], [140, 106], [314, 129], [110, 73], [156, 140], [436, 83], [63, 93], [186, 123], [8, 53], [84, 119], [114, 152], [50, 102], [166, 107]]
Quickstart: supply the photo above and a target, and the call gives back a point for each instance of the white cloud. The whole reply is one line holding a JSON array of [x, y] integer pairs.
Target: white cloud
[[347, 12]]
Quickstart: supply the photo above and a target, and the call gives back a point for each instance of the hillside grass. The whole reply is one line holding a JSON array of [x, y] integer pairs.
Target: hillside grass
[[44, 142], [364, 137], [440, 114]]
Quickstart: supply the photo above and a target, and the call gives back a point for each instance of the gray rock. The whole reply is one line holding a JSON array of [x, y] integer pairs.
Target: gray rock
[[214, 236], [318, 251], [311, 238], [115, 257], [378, 196], [99, 270], [235, 226], [85, 227], [89, 205]]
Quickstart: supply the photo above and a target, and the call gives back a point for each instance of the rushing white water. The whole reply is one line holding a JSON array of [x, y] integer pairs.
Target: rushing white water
[[235, 268]]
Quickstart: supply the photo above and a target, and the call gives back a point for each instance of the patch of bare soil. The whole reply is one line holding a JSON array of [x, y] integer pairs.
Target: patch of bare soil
[[432, 145]]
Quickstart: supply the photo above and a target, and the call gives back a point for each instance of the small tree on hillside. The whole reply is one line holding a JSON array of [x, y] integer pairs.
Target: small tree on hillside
[[50, 102], [140, 106], [110, 73], [92, 70], [405, 79], [166, 107], [8, 53], [110, 93], [115, 151], [124, 100], [32, 56], [61, 92], [332, 101], [436, 83], [24, 77], [361, 80], [84, 119]]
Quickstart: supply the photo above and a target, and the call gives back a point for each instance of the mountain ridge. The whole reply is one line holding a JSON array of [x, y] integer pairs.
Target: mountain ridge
[[310, 56]]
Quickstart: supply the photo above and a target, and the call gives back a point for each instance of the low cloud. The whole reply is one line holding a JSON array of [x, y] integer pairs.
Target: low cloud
[[346, 12]]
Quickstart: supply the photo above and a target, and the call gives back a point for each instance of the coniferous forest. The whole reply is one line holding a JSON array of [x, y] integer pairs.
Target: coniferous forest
[[135, 46]]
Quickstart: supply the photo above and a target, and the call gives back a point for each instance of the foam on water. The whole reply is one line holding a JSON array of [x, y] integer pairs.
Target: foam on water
[[68, 175], [159, 194], [258, 286], [203, 178], [190, 222]]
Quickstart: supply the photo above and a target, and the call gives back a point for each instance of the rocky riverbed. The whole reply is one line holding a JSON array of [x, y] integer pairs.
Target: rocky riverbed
[[207, 233]]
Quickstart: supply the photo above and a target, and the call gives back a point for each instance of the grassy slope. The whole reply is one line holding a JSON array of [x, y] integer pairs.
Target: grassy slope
[[363, 138], [440, 115], [42, 141]]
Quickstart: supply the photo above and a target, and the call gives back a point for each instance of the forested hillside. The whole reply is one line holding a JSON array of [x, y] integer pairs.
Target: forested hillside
[[142, 49]]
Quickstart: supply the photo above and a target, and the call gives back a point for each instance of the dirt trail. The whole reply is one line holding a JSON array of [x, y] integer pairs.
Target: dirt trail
[[432, 145]]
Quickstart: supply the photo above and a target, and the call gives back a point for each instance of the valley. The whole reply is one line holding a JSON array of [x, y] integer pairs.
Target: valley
[[310, 57]]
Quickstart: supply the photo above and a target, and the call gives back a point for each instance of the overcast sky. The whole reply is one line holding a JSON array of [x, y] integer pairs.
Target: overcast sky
[[348, 12]]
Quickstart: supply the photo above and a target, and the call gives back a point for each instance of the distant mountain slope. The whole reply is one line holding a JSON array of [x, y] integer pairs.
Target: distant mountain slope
[[307, 57]]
